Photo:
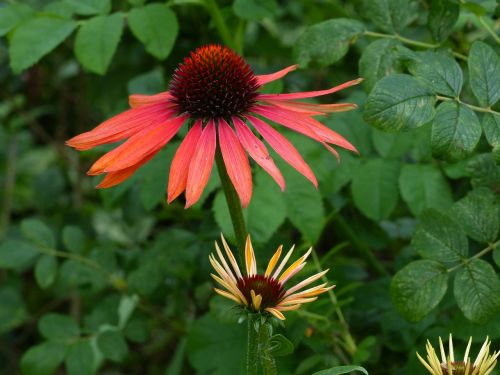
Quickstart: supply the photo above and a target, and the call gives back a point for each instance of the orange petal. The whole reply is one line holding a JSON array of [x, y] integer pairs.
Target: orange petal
[[180, 164], [121, 126], [236, 162], [139, 100], [115, 178], [258, 151], [266, 78], [310, 94], [284, 148], [148, 141], [201, 164]]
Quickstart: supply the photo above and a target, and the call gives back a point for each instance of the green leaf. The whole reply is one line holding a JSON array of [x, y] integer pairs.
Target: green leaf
[[399, 102], [16, 254], [90, 7], [443, 15], [112, 345], [392, 145], [255, 9], [13, 311], [378, 60], [73, 238], [155, 25], [149, 83], [304, 206], [35, 38], [439, 238], [267, 209], [484, 72], [80, 359], [496, 256], [491, 127], [327, 42], [418, 288], [479, 214], [455, 131], [58, 327], [45, 271], [125, 309], [424, 186], [216, 348], [12, 15], [375, 188], [477, 291], [439, 71], [389, 15], [280, 346], [42, 359], [96, 42], [38, 232], [338, 370]]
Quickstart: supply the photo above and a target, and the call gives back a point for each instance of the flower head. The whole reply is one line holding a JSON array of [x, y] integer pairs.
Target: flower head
[[216, 93], [264, 292], [483, 365]]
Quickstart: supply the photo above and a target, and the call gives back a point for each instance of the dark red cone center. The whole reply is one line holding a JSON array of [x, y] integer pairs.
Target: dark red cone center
[[213, 82], [270, 289]]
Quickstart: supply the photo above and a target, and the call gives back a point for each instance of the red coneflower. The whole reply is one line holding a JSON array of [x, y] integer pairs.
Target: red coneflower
[[218, 91]]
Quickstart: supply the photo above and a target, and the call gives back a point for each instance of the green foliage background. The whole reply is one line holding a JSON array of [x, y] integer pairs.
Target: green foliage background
[[117, 282]]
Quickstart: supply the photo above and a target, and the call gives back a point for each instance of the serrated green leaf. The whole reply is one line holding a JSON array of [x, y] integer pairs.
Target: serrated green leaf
[[90, 7], [424, 186], [439, 71], [484, 73], [304, 206], [388, 15], [36, 37], [45, 271], [455, 131], [255, 9], [378, 60], [58, 327], [73, 238], [38, 232], [80, 359], [439, 238], [155, 25], [491, 127], [392, 145], [12, 15], [43, 359], [399, 102], [418, 288], [96, 42], [375, 188], [112, 345], [16, 254], [326, 42], [13, 311], [443, 15], [477, 291], [479, 214], [222, 353], [338, 370]]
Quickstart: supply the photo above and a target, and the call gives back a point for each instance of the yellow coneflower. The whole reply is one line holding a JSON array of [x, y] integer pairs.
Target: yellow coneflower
[[483, 365], [264, 292]]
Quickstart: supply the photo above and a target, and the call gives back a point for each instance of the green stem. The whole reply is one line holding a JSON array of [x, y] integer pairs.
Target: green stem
[[473, 107], [488, 28], [252, 364], [411, 42], [268, 361], [220, 23], [234, 206], [348, 341], [361, 248], [486, 250]]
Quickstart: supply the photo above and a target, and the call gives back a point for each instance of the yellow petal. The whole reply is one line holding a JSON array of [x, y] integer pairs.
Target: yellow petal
[[276, 313], [286, 275], [223, 261], [256, 300], [228, 295], [231, 257], [283, 263], [273, 261], [250, 258]]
